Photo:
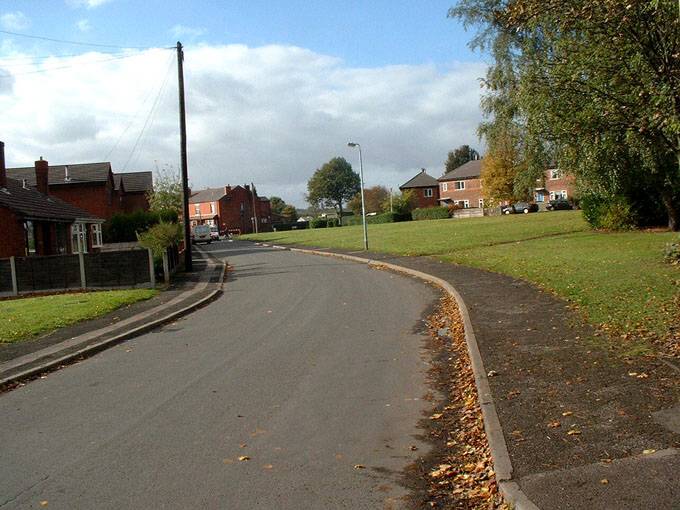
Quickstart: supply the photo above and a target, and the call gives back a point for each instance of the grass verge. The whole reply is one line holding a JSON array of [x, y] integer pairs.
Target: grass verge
[[25, 318], [617, 280]]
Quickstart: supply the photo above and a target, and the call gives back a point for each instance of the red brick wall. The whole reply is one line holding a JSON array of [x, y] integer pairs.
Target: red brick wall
[[421, 200], [98, 199], [564, 182], [472, 191], [231, 215], [12, 234], [131, 202]]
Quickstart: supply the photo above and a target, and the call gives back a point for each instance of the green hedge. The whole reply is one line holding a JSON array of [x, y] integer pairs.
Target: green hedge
[[430, 213], [380, 218], [296, 225], [323, 222], [123, 228]]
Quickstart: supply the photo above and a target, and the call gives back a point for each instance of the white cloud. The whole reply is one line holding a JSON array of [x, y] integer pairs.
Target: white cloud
[[271, 115], [84, 25], [90, 4], [14, 21], [184, 31]]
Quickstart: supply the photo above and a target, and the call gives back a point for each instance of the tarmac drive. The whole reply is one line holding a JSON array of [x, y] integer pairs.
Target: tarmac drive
[[313, 368]]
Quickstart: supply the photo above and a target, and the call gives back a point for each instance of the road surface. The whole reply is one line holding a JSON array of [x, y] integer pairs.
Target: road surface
[[311, 370]]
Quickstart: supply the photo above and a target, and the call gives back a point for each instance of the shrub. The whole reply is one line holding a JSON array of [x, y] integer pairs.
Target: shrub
[[124, 227], [610, 212], [389, 217], [296, 225], [672, 252], [159, 238], [323, 223], [430, 213]]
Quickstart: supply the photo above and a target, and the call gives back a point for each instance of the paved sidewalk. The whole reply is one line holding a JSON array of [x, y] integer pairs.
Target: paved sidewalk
[[188, 291], [584, 429]]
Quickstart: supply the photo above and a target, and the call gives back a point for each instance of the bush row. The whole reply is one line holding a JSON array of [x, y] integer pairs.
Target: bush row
[[430, 213], [123, 228], [323, 223], [296, 225], [388, 217]]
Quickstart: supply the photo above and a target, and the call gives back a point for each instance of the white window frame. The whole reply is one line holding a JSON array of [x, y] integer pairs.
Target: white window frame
[[553, 195], [427, 193], [563, 194], [466, 204], [554, 174], [459, 185], [79, 238], [445, 186], [96, 232], [481, 203], [197, 209], [212, 207]]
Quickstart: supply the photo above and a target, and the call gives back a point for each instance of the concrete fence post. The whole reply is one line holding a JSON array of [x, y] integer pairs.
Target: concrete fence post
[[166, 268], [152, 272], [81, 262], [13, 270]]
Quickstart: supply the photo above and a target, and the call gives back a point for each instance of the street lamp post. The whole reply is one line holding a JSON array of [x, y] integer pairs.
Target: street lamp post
[[363, 205]]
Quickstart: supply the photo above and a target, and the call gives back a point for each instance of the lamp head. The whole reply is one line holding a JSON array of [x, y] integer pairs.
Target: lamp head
[[352, 144]]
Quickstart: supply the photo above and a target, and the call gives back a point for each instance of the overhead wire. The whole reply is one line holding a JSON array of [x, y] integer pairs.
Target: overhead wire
[[70, 66], [77, 43], [150, 115]]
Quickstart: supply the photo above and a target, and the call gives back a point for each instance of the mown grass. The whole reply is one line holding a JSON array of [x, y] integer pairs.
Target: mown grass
[[21, 319], [618, 280]]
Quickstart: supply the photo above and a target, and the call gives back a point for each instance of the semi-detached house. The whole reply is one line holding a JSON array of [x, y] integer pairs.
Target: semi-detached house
[[425, 187]]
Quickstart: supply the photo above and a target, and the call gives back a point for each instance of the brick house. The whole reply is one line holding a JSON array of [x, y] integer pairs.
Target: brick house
[[230, 209], [93, 187], [462, 186], [34, 222], [554, 184], [133, 189], [425, 188]]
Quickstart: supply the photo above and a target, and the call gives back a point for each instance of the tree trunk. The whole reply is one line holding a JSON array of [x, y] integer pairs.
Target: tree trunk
[[671, 209], [340, 215]]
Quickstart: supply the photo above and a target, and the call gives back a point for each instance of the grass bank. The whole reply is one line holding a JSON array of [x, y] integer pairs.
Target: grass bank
[[618, 280], [25, 318]]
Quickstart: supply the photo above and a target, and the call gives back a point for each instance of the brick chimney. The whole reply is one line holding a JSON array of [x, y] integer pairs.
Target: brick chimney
[[3, 170], [41, 175], [227, 189]]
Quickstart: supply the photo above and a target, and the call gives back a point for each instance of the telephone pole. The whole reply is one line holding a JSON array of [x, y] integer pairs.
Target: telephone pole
[[188, 266]]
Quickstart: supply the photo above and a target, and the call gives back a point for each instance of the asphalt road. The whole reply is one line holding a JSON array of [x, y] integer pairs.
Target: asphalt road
[[311, 367]]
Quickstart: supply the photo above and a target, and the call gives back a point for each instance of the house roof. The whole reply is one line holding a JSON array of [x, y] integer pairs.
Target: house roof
[[34, 205], [468, 170], [205, 195], [134, 182], [421, 180], [80, 173]]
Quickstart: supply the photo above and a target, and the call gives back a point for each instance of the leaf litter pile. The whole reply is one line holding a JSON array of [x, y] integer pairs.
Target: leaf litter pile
[[458, 473]]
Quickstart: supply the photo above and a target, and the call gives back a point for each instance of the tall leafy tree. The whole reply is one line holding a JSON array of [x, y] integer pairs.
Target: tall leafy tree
[[289, 212], [459, 157], [374, 199], [277, 205], [167, 191], [333, 184], [595, 85]]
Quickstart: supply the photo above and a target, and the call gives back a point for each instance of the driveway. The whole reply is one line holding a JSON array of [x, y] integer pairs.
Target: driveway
[[299, 388]]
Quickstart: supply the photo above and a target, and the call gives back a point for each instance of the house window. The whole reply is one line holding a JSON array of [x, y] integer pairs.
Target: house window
[[29, 236], [62, 238], [79, 238], [553, 196], [563, 194], [481, 203], [540, 197], [212, 207], [197, 209], [445, 186], [96, 233], [554, 174], [459, 185], [466, 204], [427, 192]]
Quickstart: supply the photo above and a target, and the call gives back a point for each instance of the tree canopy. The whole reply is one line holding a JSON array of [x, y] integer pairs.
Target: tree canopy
[[459, 157], [277, 205], [374, 199], [333, 184], [167, 191], [592, 86]]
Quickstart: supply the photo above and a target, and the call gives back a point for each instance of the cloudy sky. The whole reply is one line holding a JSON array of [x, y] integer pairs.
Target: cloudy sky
[[274, 89]]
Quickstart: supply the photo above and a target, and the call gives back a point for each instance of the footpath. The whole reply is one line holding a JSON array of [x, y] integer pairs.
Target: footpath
[[188, 291], [577, 426]]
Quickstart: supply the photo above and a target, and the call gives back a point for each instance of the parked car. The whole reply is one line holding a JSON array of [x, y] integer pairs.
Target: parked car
[[201, 234], [214, 233], [559, 204], [519, 207]]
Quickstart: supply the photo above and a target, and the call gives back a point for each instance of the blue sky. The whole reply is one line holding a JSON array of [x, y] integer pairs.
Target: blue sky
[[274, 89]]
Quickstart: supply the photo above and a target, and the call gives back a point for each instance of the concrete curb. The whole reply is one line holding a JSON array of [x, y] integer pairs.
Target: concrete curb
[[494, 432], [95, 348]]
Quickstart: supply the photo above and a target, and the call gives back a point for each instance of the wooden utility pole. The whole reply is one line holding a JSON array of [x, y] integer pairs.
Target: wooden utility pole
[[188, 265], [252, 190]]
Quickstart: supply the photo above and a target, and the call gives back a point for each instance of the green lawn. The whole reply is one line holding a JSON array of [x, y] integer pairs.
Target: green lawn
[[24, 318], [616, 279]]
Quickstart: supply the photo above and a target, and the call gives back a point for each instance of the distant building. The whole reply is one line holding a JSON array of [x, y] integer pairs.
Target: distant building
[[425, 187], [553, 185], [462, 186], [231, 209]]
